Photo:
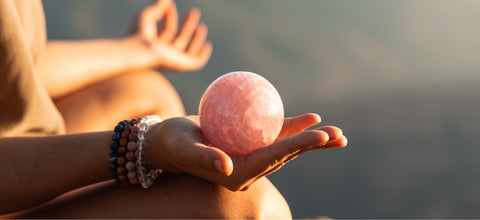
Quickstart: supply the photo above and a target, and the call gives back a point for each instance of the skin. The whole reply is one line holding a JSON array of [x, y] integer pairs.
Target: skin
[[122, 69], [145, 48], [239, 172], [53, 176], [67, 176], [197, 199]]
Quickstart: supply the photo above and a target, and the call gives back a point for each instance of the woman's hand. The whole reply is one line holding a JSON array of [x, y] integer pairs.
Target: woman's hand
[[181, 147], [171, 49]]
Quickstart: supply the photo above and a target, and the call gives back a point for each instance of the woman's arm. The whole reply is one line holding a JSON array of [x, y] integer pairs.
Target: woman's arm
[[66, 66], [37, 169]]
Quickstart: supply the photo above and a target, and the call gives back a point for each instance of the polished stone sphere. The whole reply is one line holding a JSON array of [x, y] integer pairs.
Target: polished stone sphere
[[241, 112]]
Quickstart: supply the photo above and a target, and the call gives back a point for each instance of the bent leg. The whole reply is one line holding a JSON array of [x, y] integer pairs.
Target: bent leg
[[100, 106], [173, 196]]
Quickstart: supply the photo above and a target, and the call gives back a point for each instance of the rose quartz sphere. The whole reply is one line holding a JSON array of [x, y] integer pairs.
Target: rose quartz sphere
[[241, 112]]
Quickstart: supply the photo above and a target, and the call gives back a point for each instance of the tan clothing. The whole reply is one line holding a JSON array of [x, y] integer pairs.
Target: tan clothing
[[25, 107]]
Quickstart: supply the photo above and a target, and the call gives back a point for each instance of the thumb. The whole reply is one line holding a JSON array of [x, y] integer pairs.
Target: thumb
[[150, 15], [207, 159]]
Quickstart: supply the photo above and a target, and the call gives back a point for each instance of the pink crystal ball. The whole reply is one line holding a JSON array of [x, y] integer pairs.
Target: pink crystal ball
[[241, 112]]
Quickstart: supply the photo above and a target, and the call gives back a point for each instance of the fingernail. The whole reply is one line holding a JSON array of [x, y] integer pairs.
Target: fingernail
[[219, 166]]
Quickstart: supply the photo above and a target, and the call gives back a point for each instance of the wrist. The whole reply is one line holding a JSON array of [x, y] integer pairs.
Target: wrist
[[159, 145], [153, 139], [140, 52]]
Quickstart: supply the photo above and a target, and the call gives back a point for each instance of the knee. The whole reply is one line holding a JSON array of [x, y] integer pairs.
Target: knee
[[206, 200], [151, 93], [261, 201], [174, 196], [272, 203]]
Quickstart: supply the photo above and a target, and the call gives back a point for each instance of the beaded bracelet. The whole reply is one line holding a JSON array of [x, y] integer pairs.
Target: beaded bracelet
[[126, 157], [122, 157], [117, 171], [130, 134], [145, 178]]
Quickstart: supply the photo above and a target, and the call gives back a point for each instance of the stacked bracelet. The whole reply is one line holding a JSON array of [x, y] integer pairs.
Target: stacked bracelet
[[126, 157], [122, 157]]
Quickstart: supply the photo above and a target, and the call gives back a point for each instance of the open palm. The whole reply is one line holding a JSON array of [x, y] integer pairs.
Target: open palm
[[187, 150]]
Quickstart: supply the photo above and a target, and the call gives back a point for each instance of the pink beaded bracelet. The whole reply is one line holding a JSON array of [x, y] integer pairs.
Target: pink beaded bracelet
[[130, 166]]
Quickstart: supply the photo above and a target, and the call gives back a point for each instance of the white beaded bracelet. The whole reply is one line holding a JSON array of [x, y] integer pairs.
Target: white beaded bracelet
[[146, 178]]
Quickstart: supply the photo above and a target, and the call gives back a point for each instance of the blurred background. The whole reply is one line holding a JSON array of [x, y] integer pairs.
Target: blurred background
[[399, 77]]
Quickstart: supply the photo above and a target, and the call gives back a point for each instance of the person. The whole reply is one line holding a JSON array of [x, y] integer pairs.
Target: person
[[59, 102]]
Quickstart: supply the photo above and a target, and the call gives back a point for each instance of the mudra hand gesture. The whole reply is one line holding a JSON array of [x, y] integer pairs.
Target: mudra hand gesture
[[184, 49]]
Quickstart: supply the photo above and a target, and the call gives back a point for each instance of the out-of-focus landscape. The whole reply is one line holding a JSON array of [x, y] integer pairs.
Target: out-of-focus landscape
[[399, 77]]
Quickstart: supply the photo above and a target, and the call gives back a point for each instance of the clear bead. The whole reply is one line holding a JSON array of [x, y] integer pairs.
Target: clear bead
[[143, 127], [145, 177], [141, 135], [140, 144], [149, 181]]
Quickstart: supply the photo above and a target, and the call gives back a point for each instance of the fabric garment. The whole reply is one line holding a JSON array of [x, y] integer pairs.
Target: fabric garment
[[25, 107]]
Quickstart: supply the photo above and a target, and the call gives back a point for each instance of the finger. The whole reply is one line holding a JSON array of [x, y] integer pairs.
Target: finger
[[200, 158], [188, 28], [332, 131], [204, 54], [151, 14], [337, 143], [170, 24], [197, 61], [277, 152], [281, 149], [299, 123], [198, 39], [340, 141]]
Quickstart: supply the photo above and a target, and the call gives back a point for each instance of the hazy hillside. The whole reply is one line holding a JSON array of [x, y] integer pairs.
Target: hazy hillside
[[400, 77]]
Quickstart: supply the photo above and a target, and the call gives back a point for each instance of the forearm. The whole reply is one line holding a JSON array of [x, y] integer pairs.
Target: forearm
[[66, 66], [36, 169]]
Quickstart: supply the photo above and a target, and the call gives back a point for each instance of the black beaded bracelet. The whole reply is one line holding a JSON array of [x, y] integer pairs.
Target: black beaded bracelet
[[114, 154]]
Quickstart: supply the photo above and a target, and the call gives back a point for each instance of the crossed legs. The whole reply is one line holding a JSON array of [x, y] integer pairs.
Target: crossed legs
[[173, 196], [101, 105]]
